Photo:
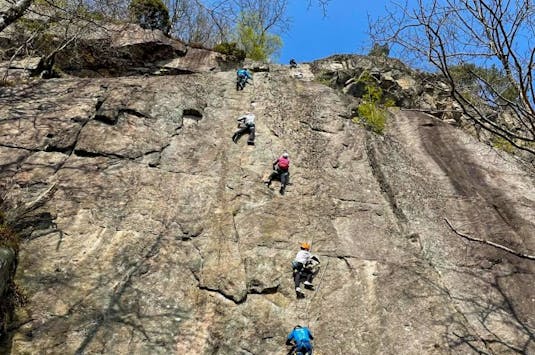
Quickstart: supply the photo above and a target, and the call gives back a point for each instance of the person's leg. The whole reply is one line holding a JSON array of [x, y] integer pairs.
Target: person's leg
[[297, 278], [304, 348], [308, 348], [297, 267], [239, 133], [251, 135], [283, 177], [308, 277], [272, 177]]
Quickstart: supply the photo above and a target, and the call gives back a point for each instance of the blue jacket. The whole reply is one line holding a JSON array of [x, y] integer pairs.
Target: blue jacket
[[245, 73], [300, 335]]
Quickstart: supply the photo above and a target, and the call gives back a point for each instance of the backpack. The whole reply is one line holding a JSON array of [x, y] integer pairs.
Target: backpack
[[283, 163]]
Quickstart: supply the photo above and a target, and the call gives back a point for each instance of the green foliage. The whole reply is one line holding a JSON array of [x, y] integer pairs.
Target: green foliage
[[503, 144], [257, 43], [371, 112], [489, 82], [379, 50], [230, 48], [151, 14], [372, 116], [322, 79]]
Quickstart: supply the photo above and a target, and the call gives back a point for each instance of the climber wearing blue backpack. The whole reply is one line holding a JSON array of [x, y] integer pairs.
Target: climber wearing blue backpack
[[242, 77], [300, 338]]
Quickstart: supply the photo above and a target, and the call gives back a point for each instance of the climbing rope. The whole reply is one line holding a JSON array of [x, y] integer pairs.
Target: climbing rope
[[305, 314], [316, 289]]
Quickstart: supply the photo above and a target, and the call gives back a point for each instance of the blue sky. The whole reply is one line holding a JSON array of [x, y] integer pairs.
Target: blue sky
[[344, 30]]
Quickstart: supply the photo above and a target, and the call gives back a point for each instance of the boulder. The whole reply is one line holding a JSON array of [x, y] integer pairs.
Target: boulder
[[197, 60], [30, 63], [399, 83], [117, 51]]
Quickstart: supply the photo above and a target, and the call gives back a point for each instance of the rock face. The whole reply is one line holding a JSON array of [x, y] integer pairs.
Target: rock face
[[404, 86], [104, 50], [154, 233]]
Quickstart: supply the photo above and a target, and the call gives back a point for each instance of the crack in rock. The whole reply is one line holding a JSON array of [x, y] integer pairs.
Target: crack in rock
[[380, 177]]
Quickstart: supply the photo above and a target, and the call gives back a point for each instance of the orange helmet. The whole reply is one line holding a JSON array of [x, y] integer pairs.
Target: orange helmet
[[305, 246]]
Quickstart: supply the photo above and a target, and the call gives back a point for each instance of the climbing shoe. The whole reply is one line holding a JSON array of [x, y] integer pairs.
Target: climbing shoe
[[308, 285], [281, 191]]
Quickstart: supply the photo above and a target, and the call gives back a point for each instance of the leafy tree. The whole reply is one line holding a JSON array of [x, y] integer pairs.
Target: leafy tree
[[151, 14], [257, 43]]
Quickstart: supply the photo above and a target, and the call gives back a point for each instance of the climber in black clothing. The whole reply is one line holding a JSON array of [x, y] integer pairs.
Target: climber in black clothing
[[293, 63]]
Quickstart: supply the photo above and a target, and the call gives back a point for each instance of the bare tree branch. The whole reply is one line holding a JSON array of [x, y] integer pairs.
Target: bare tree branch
[[491, 34], [495, 245]]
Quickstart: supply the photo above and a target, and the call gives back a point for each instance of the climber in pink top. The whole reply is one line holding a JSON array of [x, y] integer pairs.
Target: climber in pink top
[[281, 172]]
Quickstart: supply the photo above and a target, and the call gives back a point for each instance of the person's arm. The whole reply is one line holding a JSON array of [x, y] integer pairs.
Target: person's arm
[[290, 338]]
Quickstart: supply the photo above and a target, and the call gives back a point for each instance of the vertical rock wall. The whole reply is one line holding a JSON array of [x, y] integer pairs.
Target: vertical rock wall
[[160, 237]]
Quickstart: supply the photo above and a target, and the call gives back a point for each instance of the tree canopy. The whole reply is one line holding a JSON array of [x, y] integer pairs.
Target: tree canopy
[[151, 14]]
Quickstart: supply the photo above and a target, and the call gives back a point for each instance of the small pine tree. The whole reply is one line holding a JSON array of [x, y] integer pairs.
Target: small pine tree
[[151, 14]]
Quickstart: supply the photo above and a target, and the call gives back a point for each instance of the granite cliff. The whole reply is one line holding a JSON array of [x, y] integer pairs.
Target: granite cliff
[[146, 230]]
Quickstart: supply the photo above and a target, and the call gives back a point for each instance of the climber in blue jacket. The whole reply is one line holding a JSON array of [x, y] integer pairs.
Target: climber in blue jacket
[[300, 338], [243, 76]]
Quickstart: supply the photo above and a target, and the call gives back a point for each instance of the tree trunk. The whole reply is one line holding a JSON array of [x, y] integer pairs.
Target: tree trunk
[[13, 13]]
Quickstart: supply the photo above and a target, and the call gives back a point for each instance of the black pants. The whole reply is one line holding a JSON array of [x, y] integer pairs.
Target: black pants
[[282, 175], [242, 131], [240, 83], [302, 274]]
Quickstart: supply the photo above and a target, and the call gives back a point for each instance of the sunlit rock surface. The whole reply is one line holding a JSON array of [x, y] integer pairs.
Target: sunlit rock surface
[[153, 233]]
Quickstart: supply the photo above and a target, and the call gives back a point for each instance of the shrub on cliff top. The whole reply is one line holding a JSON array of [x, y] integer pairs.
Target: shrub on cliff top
[[230, 48], [371, 112], [151, 14]]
